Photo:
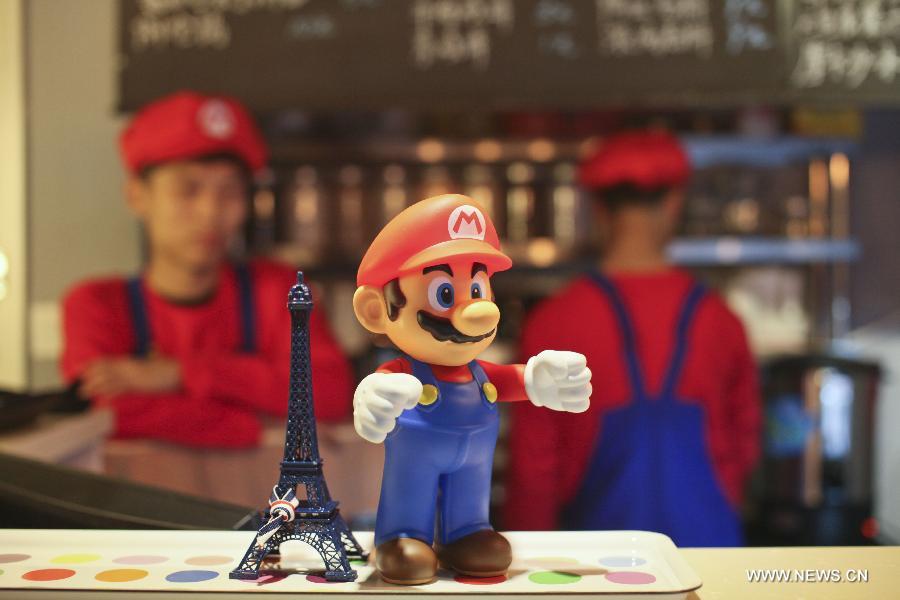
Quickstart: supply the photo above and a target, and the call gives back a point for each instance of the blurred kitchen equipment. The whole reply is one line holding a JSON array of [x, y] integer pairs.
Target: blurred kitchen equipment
[[37, 495], [818, 463], [19, 410]]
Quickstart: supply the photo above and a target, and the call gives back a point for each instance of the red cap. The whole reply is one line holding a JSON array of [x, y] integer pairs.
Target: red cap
[[645, 159], [187, 125], [434, 231]]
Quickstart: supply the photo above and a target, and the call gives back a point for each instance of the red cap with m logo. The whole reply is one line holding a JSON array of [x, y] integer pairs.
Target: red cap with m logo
[[436, 230]]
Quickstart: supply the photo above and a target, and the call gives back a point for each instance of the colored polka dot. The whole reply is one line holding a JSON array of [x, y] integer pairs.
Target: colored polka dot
[[11, 558], [265, 578], [75, 559], [358, 562], [1, 571], [630, 577], [191, 576], [554, 577], [622, 561], [48, 574], [120, 575], [480, 580], [207, 561], [140, 559], [319, 579]]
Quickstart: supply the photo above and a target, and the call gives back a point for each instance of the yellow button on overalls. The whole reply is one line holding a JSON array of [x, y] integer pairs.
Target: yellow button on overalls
[[429, 395]]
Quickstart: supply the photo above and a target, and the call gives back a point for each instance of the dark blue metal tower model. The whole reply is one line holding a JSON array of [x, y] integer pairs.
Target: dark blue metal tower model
[[314, 520]]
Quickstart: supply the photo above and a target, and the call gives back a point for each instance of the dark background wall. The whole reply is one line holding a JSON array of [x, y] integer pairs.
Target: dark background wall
[[875, 213]]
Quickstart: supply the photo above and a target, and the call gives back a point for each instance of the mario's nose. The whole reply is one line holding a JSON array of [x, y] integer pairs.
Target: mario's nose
[[476, 317]]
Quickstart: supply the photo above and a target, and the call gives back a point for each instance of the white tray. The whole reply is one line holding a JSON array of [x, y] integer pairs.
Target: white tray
[[603, 563]]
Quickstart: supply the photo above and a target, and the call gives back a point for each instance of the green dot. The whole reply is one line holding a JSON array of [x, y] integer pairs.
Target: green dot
[[358, 562], [554, 577]]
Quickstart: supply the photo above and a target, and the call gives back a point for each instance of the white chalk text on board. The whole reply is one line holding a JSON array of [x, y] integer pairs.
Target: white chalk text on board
[[846, 42], [458, 32], [187, 24]]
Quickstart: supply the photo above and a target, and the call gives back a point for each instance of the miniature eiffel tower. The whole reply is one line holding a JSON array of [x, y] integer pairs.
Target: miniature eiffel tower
[[316, 519]]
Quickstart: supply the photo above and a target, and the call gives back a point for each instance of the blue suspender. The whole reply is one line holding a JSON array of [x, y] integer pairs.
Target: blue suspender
[[138, 309], [689, 308], [629, 341], [140, 320], [422, 371], [691, 302], [248, 312], [480, 378]]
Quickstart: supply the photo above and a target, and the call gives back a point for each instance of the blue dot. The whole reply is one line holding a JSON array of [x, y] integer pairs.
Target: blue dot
[[191, 576], [622, 561]]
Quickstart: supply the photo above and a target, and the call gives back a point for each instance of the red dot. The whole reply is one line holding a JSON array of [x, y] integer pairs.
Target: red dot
[[48, 574], [480, 580], [869, 527]]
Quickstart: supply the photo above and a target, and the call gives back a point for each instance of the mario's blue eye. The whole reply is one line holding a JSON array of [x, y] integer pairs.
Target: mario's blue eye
[[444, 295], [477, 292], [441, 294]]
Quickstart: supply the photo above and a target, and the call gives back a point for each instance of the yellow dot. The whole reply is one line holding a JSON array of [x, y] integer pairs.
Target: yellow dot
[[490, 392], [121, 575], [73, 559], [429, 395]]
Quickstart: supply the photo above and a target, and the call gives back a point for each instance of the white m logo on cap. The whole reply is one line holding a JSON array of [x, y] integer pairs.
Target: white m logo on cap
[[216, 119], [466, 221]]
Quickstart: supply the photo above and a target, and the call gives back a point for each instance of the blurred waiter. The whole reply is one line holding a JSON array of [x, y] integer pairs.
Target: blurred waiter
[[194, 349], [673, 428]]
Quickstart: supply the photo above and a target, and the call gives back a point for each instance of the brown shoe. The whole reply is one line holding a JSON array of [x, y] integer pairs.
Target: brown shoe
[[484, 553], [406, 561]]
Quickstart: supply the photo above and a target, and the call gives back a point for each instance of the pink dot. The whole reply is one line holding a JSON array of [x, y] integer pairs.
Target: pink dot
[[319, 579], [265, 578], [630, 577], [480, 580]]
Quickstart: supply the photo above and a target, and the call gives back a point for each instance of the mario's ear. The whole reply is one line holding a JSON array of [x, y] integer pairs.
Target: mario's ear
[[136, 195], [370, 309]]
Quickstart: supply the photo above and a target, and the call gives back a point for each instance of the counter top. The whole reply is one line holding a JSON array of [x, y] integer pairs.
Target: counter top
[[608, 564], [73, 440], [725, 572]]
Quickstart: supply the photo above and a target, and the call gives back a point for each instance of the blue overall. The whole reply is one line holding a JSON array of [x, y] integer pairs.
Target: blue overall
[[140, 320], [441, 453], [651, 469]]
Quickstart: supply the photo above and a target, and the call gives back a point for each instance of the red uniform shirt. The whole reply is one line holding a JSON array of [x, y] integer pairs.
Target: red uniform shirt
[[508, 379], [550, 451], [224, 391]]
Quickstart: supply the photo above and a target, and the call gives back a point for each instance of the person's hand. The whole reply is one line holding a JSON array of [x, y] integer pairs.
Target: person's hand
[[559, 380], [113, 376], [378, 401]]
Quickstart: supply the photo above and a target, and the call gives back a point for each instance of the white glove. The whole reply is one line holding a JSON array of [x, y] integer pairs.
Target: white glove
[[559, 380], [378, 401]]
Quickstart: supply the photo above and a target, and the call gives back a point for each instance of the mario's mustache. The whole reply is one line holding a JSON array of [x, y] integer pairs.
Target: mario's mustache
[[443, 330]]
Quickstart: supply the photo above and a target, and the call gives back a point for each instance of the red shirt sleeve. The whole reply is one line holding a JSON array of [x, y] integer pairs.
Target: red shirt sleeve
[[260, 380], [186, 420], [96, 325], [533, 476], [508, 379]]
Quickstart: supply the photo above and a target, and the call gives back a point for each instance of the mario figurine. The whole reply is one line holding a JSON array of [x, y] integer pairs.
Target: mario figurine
[[425, 283]]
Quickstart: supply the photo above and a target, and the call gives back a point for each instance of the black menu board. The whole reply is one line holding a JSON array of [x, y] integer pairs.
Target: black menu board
[[844, 49], [516, 54]]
